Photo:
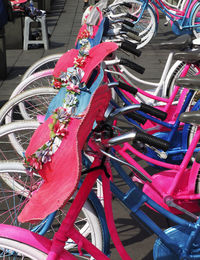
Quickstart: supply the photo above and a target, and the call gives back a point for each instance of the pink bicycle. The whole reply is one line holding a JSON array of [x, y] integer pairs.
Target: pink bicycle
[[178, 242]]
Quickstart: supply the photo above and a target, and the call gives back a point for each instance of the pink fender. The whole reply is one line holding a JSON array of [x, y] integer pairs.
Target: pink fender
[[30, 238]]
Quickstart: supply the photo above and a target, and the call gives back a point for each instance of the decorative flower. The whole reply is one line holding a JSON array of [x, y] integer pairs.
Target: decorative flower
[[59, 129], [34, 162], [70, 100], [84, 42], [56, 83], [61, 114], [71, 79], [64, 76], [79, 61], [44, 154], [84, 34], [72, 87]]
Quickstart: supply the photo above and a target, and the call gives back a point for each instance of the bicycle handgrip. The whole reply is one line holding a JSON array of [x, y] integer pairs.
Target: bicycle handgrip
[[135, 116], [133, 36], [152, 140], [134, 45], [132, 17], [128, 5], [127, 28], [153, 111], [132, 65], [128, 23], [130, 47], [128, 88]]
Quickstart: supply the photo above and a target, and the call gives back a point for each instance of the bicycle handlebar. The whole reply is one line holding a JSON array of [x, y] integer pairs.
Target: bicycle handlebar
[[128, 88], [137, 117], [130, 24], [133, 36], [142, 137], [132, 65], [127, 28], [132, 17], [153, 111], [128, 5], [128, 111], [130, 47]]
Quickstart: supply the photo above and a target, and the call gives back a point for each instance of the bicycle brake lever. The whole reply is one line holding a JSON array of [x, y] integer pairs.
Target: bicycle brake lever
[[161, 154], [127, 164], [124, 110]]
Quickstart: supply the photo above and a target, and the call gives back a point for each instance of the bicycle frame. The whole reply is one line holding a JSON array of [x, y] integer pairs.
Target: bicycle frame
[[170, 129], [133, 199], [177, 17], [159, 88], [177, 183], [177, 6], [148, 96]]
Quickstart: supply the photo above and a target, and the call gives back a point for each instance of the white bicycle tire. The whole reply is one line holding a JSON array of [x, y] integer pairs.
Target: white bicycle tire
[[174, 73], [41, 64], [148, 32], [26, 83], [22, 97], [14, 128], [21, 248], [196, 15]]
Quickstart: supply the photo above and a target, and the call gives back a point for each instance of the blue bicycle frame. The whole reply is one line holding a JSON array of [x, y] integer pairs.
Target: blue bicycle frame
[[182, 25], [173, 243], [176, 137]]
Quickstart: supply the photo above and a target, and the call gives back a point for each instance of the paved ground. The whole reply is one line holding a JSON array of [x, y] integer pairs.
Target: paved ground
[[64, 23]]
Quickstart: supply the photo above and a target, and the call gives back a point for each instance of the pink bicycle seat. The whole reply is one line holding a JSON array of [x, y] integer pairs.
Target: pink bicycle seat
[[96, 55], [61, 174]]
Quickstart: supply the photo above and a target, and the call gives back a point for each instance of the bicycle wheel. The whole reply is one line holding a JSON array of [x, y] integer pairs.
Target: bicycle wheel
[[195, 20], [146, 26], [44, 63], [15, 191], [14, 139], [16, 187], [10, 248], [27, 105], [175, 73], [180, 235], [39, 79]]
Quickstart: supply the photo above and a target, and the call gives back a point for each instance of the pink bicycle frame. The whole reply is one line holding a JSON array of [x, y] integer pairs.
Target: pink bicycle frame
[[167, 106], [177, 183]]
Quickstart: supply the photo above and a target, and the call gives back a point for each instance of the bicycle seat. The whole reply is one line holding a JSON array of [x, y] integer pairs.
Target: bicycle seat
[[188, 57], [92, 28], [61, 172], [97, 54], [192, 117], [189, 82], [180, 43]]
